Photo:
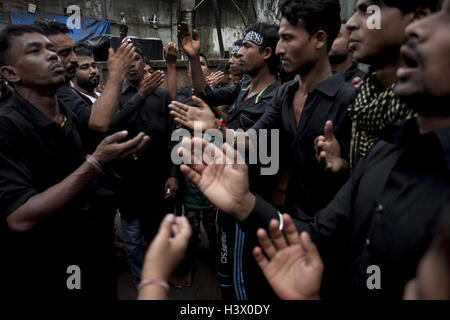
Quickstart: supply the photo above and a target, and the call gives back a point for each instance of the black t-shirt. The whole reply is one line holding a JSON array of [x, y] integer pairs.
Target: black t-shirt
[[35, 154]]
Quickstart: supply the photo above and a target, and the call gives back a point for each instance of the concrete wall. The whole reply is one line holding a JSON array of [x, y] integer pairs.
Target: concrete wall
[[138, 12]]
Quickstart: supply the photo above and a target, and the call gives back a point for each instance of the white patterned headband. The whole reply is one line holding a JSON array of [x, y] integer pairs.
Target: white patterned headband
[[254, 37], [236, 48]]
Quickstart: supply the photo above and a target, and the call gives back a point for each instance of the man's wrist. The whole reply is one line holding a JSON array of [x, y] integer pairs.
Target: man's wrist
[[246, 207]]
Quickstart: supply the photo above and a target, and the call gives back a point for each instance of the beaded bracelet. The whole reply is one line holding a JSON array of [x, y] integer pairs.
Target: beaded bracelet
[[160, 283], [221, 124]]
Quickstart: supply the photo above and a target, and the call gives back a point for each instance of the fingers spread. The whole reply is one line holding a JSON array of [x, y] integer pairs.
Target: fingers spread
[[290, 230], [276, 235]]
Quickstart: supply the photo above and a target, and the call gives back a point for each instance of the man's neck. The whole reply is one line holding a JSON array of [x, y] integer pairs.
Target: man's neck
[[262, 80], [344, 65], [428, 124], [42, 99], [86, 92], [387, 74], [320, 72]]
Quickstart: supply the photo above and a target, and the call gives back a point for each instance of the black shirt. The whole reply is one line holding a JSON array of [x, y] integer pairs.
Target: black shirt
[[242, 113], [35, 154], [147, 175], [386, 215], [353, 72], [310, 187]]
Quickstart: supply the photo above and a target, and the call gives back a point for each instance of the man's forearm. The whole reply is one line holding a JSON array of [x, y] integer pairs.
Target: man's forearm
[[51, 200], [197, 75], [104, 109], [172, 80]]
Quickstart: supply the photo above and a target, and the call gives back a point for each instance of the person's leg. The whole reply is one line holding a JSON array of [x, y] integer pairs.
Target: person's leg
[[132, 238], [209, 223]]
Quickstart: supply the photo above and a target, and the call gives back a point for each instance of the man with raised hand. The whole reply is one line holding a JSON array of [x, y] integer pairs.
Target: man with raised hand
[[384, 218], [100, 116], [46, 231]]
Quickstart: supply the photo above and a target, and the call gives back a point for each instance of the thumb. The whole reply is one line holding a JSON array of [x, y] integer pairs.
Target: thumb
[[308, 246], [328, 130], [199, 102], [110, 53]]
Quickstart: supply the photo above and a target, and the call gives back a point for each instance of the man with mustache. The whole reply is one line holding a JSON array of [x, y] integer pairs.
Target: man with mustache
[[87, 76], [386, 216], [375, 108], [44, 175]]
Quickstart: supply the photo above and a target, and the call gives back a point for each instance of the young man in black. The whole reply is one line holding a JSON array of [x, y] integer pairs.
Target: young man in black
[[152, 176], [87, 76], [44, 175]]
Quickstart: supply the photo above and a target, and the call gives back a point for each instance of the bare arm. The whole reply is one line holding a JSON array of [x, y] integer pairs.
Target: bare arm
[[46, 203], [104, 109], [170, 55], [191, 46]]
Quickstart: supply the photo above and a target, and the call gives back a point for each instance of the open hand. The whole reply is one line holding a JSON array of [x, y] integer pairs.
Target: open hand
[[328, 150], [187, 115], [293, 268], [190, 44], [220, 174]]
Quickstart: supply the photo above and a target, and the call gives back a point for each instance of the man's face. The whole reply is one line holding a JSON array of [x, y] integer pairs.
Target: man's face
[[235, 68], [251, 59], [203, 64], [123, 33], [295, 48], [33, 62], [137, 69], [377, 47], [65, 48], [87, 76], [427, 58], [339, 51], [148, 69]]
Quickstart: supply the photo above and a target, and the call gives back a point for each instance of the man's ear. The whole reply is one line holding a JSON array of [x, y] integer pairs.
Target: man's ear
[[267, 53], [10, 74], [321, 39]]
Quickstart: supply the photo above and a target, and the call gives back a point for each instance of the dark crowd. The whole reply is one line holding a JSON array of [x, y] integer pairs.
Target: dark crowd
[[359, 207]]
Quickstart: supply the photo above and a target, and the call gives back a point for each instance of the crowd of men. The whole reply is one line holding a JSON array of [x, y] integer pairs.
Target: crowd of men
[[363, 179]]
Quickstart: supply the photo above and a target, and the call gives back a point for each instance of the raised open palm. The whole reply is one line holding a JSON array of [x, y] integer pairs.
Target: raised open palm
[[224, 184], [190, 44], [293, 268]]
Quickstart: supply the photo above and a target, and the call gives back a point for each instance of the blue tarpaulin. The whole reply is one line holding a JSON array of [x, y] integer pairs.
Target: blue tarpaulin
[[89, 28]]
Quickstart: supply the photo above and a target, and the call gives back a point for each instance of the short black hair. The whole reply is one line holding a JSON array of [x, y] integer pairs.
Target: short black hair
[[138, 49], [412, 5], [314, 15], [13, 30], [123, 27], [238, 43], [50, 28], [83, 50], [270, 35]]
